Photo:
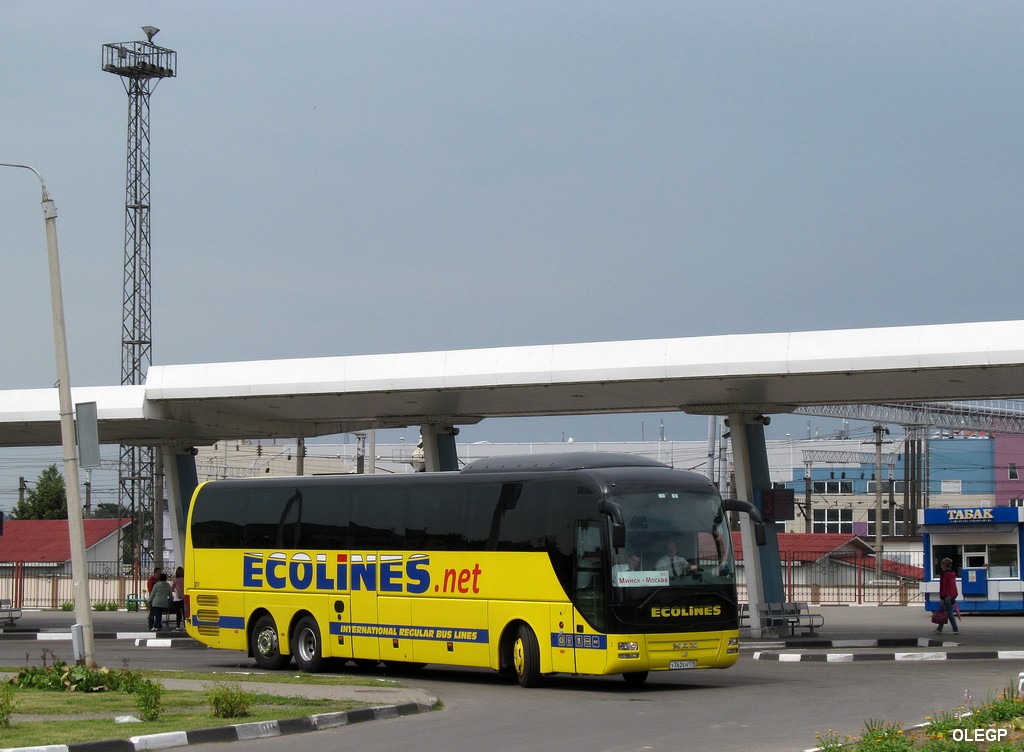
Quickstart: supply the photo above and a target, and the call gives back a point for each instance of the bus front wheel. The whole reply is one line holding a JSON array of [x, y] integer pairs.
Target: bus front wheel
[[526, 657], [306, 645], [266, 649], [635, 678]]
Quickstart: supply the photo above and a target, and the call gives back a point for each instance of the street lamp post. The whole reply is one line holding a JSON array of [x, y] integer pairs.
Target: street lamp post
[[76, 528]]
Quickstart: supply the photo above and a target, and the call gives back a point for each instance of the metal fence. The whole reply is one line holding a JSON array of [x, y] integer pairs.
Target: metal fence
[[46, 585], [848, 577], [832, 579]]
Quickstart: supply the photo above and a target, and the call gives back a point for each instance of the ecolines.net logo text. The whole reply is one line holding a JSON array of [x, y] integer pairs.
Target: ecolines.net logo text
[[385, 573]]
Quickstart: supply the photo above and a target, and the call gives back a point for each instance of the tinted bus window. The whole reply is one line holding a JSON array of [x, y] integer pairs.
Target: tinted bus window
[[378, 518], [219, 522], [435, 521], [325, 518]]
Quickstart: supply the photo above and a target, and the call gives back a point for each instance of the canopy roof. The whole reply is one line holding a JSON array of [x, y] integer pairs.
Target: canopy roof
[[768, 373]]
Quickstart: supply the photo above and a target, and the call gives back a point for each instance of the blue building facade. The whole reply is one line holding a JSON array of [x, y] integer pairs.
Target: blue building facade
[[984, 544], [959, 472]]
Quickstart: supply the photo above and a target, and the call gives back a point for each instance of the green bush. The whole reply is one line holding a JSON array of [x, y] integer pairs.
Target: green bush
[[147, 700], [60, 677], [229, 700], [8, 704], [67, 606], [883, 736]]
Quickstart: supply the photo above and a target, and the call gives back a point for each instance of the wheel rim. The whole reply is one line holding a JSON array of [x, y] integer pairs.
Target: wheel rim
[[306, 645], [518, 656], [266, 643]]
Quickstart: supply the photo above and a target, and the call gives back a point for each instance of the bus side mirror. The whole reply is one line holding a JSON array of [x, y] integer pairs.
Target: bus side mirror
[[614, 511], [745, 507], [618, 535]]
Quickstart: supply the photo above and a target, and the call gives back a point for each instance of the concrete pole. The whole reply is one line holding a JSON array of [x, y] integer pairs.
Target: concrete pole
[[808, 485], [712, 431], [723, 460], [76, 527], [360, 453], [371, 450], [877, 428]]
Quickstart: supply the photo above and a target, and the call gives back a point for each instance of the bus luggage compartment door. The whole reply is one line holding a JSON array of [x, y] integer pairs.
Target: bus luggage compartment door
[[340, 628], [363, 623], [563, 627], [395, 616]]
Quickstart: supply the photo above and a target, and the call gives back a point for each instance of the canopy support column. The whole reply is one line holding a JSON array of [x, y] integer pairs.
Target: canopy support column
[[439, 452], [762, 565]]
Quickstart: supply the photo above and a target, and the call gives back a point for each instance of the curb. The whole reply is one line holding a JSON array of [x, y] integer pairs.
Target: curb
[[241, 732], [938, 655], [170, 642], [884, 642], [141, 639]]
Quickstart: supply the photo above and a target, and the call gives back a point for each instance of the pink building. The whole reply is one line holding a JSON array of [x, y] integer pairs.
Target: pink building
[[1009, 469]]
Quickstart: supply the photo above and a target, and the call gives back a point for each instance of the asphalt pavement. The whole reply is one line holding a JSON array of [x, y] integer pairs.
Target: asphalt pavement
[[382, 702], [849, 633], [854, 633]]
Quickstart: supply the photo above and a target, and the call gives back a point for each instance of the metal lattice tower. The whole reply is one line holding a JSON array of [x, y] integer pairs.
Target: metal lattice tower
[[141, 65]]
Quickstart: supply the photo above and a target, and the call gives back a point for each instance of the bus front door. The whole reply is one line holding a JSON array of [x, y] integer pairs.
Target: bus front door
[[591, 565]]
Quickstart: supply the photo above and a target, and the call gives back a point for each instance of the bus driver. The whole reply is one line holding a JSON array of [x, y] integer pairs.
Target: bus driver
[[672, 562]]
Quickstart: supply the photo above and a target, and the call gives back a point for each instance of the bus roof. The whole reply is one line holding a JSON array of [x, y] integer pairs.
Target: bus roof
[[567, 461]]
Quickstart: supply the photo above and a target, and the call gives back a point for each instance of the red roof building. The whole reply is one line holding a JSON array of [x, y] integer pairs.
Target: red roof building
[[47, 541], [835, 549]]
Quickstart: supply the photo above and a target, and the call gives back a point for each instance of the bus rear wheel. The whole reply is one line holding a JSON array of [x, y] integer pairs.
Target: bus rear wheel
[[526, 657], [266, 649], [306, 645], [635, 678], [405, 665]]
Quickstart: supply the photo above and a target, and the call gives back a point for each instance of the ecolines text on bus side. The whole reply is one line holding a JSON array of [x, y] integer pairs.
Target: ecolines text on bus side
[[387, 573]]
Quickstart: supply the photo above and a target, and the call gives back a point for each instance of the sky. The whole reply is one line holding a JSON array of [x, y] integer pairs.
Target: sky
[[360, 177]]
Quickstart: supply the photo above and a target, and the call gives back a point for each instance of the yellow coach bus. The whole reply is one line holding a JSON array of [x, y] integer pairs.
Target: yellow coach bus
[[578, 563]]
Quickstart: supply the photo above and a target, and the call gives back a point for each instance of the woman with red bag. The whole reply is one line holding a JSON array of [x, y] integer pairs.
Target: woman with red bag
[[948, 593]]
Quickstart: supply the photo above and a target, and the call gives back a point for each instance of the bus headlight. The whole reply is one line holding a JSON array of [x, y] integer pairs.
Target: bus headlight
[[733, 642], [627, 656], [628, 646]]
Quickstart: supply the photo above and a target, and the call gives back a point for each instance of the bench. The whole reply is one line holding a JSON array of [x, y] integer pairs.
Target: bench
[[8, 613], [798, 616], [133, 601], [791, 616]]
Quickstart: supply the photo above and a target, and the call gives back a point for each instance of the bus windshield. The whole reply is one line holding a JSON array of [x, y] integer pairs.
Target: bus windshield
[[674, 538]]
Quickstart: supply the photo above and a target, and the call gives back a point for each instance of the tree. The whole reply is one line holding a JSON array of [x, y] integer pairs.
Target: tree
[[47, 501]]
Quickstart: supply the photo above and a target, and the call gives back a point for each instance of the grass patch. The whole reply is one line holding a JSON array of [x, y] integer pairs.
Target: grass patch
[[38, 716], [997, 725], [276, 677], [43, 717]]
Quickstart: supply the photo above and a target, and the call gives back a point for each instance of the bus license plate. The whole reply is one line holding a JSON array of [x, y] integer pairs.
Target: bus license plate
[[682, 664]]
